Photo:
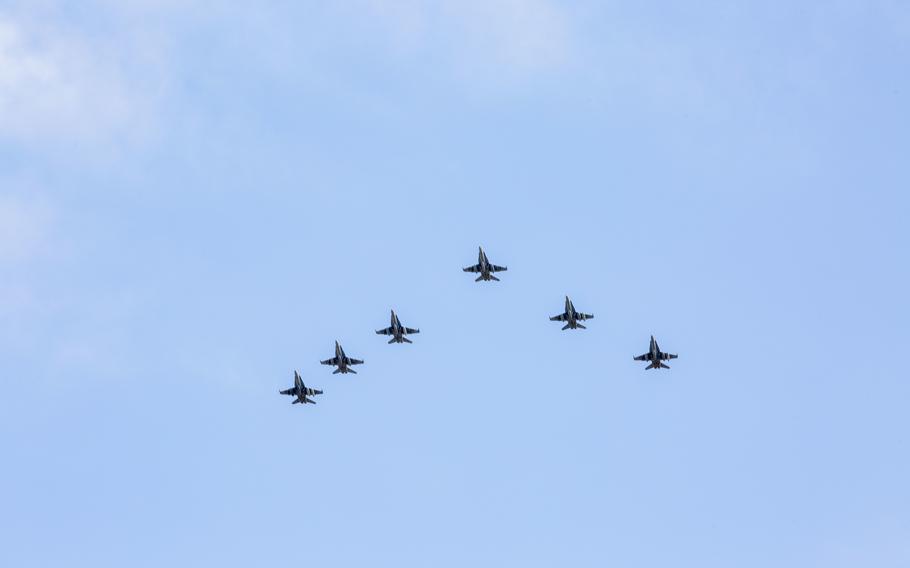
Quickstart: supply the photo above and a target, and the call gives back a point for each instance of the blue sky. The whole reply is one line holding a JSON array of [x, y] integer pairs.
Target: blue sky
[[198, 200]]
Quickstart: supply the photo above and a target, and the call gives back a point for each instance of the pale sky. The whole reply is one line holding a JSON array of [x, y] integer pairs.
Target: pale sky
[[197, 200]]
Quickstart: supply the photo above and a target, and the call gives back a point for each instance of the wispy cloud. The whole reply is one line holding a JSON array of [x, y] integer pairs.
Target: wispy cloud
[[24, 228], [61, 84], [480, 40]]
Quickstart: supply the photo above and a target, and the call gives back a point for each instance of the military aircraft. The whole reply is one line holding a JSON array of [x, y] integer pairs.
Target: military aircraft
[[655, 356], [484, 267], [342, 361], [397, 331], [300, 391], [572, 317]]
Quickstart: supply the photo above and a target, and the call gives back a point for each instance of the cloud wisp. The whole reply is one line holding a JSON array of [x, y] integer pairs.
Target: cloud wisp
[[63, 85]]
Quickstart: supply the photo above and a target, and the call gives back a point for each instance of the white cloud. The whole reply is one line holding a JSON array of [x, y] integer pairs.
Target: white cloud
[[520, 35], [23, 228], [56, 83], [487, 39]]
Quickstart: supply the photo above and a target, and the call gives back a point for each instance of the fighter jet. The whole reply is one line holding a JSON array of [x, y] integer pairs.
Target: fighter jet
[[300, 391], [342, 361], [397, 331], [655, 356], [572, 317], [484, 267]]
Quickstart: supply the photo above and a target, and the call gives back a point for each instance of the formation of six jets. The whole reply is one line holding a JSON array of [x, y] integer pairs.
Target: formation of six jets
[[397, 331]]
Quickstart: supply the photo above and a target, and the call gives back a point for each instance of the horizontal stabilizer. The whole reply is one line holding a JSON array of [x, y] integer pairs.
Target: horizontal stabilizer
[[478, 279], [296, 401], [406, 340], [662, 366], [336, 371], [494, 278], [567, 326], [579, 326], [651, 366], [391, 341]]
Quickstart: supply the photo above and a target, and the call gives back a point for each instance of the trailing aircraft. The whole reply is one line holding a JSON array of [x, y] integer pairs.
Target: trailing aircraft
[[655, 356]]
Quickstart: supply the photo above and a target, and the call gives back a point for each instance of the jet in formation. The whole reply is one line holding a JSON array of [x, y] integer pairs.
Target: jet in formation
[[655, 356], [300, 391], [484, 267], [571, 317], [342, 361], [397, 331]]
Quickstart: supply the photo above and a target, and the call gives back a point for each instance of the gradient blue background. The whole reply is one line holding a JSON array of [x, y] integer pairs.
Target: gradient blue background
[[731, 177]]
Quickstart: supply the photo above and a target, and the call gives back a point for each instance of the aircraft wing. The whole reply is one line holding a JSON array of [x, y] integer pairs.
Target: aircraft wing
[[411, 330], [584, 316], [560, 317], [386, 331], [475, 268], [331, 361], [645, 357], [667, 356], [311, 392], [289, 391], [350, 361], [494, 268]]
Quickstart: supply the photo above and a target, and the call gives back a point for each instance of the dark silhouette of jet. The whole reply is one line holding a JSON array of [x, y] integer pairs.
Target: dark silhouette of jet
[[397, 331], [655, 356], [484, 267], [342, 361], [572, 317], [300, 391]]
